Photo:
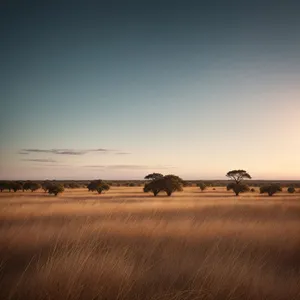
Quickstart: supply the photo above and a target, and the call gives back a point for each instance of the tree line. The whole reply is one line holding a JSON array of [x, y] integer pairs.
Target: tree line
[[155, 183]]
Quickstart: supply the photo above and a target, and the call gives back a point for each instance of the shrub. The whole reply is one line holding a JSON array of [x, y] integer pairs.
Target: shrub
[[98, 185], [291, 190], [202, 186], [55, 189], [271, 189], [238, 188]]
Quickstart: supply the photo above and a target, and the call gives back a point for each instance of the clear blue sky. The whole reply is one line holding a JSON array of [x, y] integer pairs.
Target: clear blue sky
[[183, 87]]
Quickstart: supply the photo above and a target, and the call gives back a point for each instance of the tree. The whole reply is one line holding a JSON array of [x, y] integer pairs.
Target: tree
[[45, 185], [291, 190], [15, 186], [202, 186], [154, 176], [238, 188], [3, 186], [29, 185], [102, 187], [55, 189], [271, 189], [35, 186], [98, 185], [238, 175], [168, 184]]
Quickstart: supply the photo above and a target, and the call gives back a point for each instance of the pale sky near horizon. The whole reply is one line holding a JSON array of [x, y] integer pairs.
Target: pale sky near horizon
[[119, 90]]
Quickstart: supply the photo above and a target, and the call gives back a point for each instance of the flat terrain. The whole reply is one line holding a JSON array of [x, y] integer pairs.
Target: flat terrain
[[126, 244]]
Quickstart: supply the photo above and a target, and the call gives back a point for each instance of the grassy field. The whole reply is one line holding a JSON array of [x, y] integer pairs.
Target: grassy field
[[126, 244]]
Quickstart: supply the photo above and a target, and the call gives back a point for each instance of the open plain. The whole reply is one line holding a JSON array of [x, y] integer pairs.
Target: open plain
[[126, 244]]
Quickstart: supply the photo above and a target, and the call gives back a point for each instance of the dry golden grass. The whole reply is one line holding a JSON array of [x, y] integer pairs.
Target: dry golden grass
[[129, 245]]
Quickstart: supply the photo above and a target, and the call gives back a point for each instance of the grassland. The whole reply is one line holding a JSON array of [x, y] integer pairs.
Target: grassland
[[126, 244]]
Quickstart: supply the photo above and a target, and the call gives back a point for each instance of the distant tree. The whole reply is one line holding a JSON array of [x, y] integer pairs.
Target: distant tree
[[46, 184], [35, 186], [15, 186], [30, 185], [102, 187], [238, 188], [291, 190], [252, 190], [3, 186], [27, 185], [92, 186], [131, 184], [154, 176], [271, 189], [238, 175], [168, 184], [55, 189], [202, 186], [98, 186]]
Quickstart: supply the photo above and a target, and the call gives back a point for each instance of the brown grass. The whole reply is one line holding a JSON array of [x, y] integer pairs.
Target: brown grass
[[129, 245]]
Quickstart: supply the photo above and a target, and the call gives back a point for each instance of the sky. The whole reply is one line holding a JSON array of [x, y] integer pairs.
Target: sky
[[119, 89]]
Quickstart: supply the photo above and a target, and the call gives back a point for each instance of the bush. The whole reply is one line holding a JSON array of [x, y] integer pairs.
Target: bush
[[202, 186], [252, 190], [291, 190], [238, 188], [271, 189], [55, 189], [98, 185]]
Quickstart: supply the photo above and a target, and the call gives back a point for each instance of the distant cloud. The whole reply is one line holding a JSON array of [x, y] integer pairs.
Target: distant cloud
[[64, 151], [122, 153], [40, 160], [129, 167]]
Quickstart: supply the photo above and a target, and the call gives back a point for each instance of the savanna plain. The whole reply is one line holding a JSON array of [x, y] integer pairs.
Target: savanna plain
[[127, 244]]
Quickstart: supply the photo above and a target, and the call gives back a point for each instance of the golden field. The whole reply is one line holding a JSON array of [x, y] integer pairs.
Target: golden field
[[126, 244]]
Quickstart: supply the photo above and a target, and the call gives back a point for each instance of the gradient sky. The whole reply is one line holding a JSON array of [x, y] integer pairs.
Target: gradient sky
[[119, 89]]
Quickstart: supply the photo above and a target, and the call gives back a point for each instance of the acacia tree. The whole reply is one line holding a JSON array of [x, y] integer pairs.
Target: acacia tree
[[238, 186], [168, 184], [154, 176], [238, 175]]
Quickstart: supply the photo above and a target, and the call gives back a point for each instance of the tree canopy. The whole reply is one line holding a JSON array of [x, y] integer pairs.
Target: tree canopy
[[55, 189], [271, 189], [154, 176], [168, 184], [238, 175], [98, 185], [238, 188]]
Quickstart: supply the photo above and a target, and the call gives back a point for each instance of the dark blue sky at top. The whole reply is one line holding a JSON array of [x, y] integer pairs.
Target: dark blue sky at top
[[103, 68]]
